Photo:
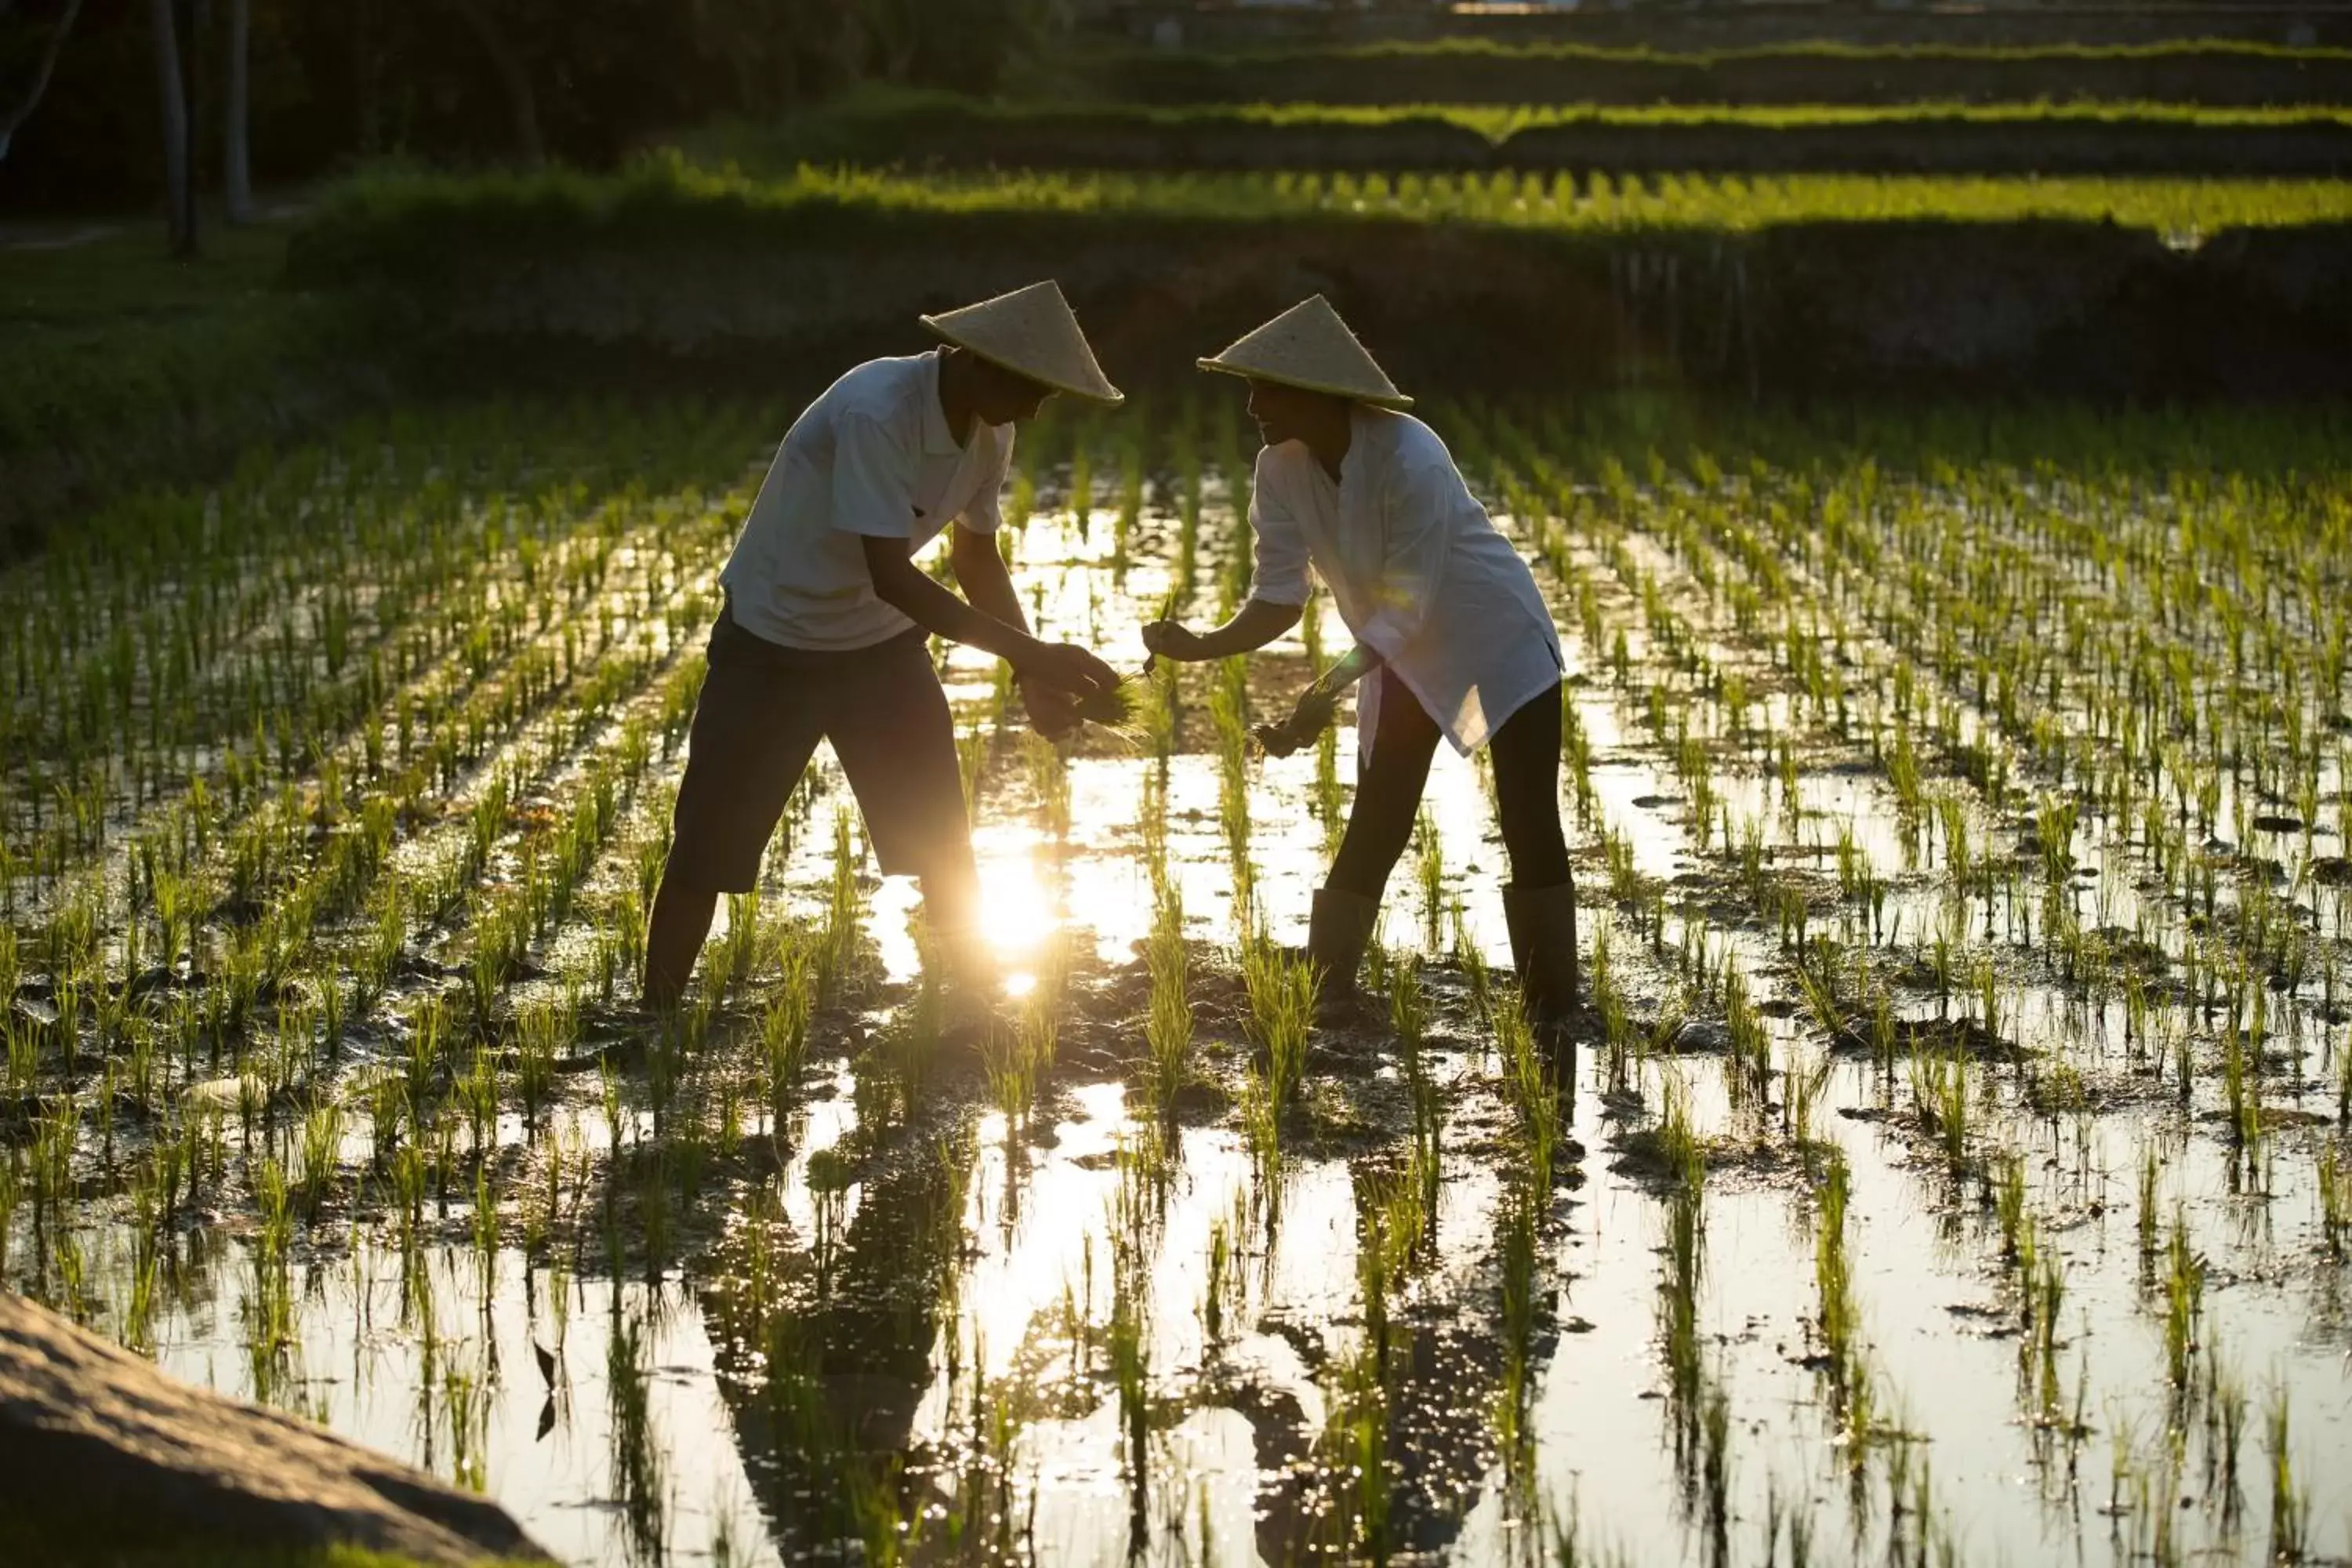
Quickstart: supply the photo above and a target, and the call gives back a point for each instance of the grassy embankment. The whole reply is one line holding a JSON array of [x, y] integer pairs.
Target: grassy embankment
[[2041, 137], [124, 365], [122, 362], [662, 192]]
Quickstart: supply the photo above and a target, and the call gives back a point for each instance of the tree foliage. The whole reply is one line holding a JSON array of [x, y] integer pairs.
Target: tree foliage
[[466, 82]]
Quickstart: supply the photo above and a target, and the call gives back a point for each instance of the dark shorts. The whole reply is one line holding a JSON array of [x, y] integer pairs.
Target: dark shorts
[[763, 711]]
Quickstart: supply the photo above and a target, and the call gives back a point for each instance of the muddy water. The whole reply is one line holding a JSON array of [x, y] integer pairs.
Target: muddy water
[[902, 1333]]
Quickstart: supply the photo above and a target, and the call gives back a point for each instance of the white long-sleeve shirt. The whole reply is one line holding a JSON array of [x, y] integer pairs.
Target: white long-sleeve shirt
[[1419, 572]]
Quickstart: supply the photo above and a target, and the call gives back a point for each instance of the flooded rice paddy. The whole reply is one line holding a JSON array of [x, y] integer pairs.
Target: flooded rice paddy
[[1954, 1170]]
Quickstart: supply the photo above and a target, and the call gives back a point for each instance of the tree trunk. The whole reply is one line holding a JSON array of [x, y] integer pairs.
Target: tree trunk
[[368, 130], [523, 105], [236, 172], [179, 184], [49, 54]]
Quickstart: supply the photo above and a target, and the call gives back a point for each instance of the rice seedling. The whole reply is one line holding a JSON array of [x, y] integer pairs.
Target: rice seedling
[[2184, 1304], [348, 882], [1049, 776], [783, 1026], [2333, 1178], [1941, 1094], [2290, 1506], [1838, 1315], [1168, 1032], [1534, 1096], [1678, 1315], [1281, 990], [838, 945], [1429, 875]]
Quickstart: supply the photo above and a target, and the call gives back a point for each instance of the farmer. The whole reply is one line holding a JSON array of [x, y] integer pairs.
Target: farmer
[[822, 634], [1452, 637]]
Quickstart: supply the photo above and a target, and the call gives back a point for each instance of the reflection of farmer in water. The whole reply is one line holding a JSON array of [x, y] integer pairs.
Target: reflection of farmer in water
[[1451, 637], [822, 635]]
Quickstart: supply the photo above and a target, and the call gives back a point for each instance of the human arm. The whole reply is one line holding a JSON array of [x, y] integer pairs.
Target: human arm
[[1280, 585], [979, 572], [1257, 623], [1312, 714], [873, 498], [907, 588]]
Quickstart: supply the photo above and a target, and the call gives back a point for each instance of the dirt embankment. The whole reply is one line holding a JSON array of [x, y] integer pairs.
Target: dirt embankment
[[2026, 309], [102, 1452]]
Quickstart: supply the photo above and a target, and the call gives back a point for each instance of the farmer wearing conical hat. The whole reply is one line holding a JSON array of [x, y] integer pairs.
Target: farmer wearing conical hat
[[822, 633], [1452, 637]]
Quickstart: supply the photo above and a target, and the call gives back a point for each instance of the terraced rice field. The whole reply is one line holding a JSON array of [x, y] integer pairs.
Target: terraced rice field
[[1957, 1170]]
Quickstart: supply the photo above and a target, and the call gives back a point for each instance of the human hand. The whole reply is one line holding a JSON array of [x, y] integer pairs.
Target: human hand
[[1173, 639], [1064, 667], [1310, 717], [1052, 713], [1312, 714]]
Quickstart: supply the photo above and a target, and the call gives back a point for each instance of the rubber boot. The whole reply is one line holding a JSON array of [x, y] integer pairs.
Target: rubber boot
[[1542, 923], [1336, 933]]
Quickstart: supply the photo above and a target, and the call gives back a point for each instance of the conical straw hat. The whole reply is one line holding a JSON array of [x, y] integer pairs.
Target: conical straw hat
[[1032, 333], [1309, 346]]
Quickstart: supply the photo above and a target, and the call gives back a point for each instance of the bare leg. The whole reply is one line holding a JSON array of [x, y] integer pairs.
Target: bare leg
[[674, 939]]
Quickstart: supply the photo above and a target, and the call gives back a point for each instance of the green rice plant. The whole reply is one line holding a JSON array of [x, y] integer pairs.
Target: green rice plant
[[1535, 1096], [1168, 1032], [1473, 962], [783, 1025], [2008, 1180], [1012, 1073], [544, 1033], [738, 950], [425, 1058], [1130, 1353], [1330, 798], [1987, 989], [1049, 776], [1215, 1287], [1940, 1099], [2290, 1507], [1511, 1405], [1159, 709], [1281, 990], [2241, 1093], [1747, 1065], [1408, 1005], [2043, 1282], [1429, 875], [484, 1224], [1680, 1151], [2146, 1213], [1229, 713], [2184, 1304], [2335, 1181], [322, 1142], [1678, 1313], [844, 913], [640, 1467], [2226, 1431]]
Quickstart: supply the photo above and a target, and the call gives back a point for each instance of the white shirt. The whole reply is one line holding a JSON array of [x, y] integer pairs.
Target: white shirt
[[873, 456], [1420, 573]]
